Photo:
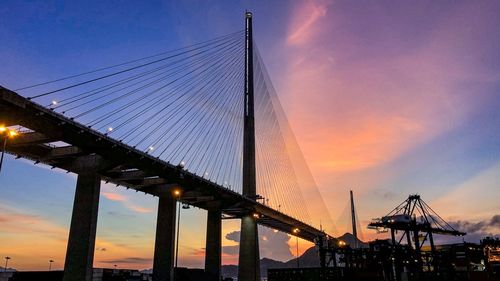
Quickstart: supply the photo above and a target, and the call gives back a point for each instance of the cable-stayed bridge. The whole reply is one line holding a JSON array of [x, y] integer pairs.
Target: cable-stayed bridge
[[201, 125]]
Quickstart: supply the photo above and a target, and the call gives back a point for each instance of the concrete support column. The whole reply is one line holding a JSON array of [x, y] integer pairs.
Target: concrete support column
[[81, 242], [249, 261], [163, 262], [213, 244]]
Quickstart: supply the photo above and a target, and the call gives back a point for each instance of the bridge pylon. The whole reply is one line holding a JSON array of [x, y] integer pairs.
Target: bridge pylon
[[248, 263]]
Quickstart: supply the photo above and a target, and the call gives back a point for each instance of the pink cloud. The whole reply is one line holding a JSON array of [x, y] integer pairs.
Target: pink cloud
[[304, 21], [355, 114], [139, 209], [113, 196], [355, 109], [18, 221]]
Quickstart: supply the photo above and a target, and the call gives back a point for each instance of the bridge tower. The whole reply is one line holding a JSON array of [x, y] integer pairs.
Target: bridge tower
[[248, 263], [353, 218]]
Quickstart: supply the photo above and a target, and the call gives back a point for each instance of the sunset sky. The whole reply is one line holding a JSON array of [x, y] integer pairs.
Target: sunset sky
[[386, 98]]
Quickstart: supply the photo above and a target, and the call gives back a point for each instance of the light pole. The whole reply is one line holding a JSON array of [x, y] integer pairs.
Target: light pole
[[50, 264], [296, 232], [5, 133], [6, 262], [177, 194]]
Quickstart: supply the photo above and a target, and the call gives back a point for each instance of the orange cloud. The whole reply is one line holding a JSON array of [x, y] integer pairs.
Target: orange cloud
[[110, 194], [126, 254], [353, 115], [113, 196], [31, 240], [139, 209]]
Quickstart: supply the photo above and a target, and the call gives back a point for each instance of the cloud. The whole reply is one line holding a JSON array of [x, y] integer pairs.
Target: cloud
[[29, 239], [197, 252], [377, 107], [272, 244], [495, 221], [110, 194], [304, 21], [492, 225], [477, 230], [113, 196], [233, 236], [120, 215], [16, 220], [128, 260], [230, 250], [480, 187], [362, 93], [139, 209]]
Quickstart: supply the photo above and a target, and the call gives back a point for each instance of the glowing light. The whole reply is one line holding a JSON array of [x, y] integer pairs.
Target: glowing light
[[177, 192], [12, 134], [275, 230], [2, 129], [255, 215], [54, 102], [296, 230], [151, 148], [110, 129], [182, 164]]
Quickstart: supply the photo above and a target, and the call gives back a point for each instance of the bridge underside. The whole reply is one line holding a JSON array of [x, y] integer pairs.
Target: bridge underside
[[57, 141]]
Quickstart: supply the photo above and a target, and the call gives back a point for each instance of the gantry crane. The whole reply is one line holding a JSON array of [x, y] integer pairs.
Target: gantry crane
[[416, 220]]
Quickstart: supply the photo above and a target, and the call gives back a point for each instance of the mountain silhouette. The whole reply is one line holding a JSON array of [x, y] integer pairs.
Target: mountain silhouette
[[310, 258]]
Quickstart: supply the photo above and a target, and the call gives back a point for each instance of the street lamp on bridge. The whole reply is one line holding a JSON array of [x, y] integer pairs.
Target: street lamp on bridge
[[296, 232], [5, 133], [177, 194], [6, 262]]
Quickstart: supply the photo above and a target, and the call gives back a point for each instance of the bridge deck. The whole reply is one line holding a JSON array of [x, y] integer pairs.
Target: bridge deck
[[125, 165]]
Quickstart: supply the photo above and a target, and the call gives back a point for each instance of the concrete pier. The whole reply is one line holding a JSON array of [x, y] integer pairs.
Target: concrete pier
[[163, 262], [81, 242], [249, 261], [213, 244]]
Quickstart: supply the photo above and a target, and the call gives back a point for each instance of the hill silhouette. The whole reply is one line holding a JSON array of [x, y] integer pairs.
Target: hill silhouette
[[310, 258]]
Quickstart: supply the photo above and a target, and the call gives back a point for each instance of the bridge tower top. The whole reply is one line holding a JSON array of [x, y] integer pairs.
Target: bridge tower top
[[249, 174]]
